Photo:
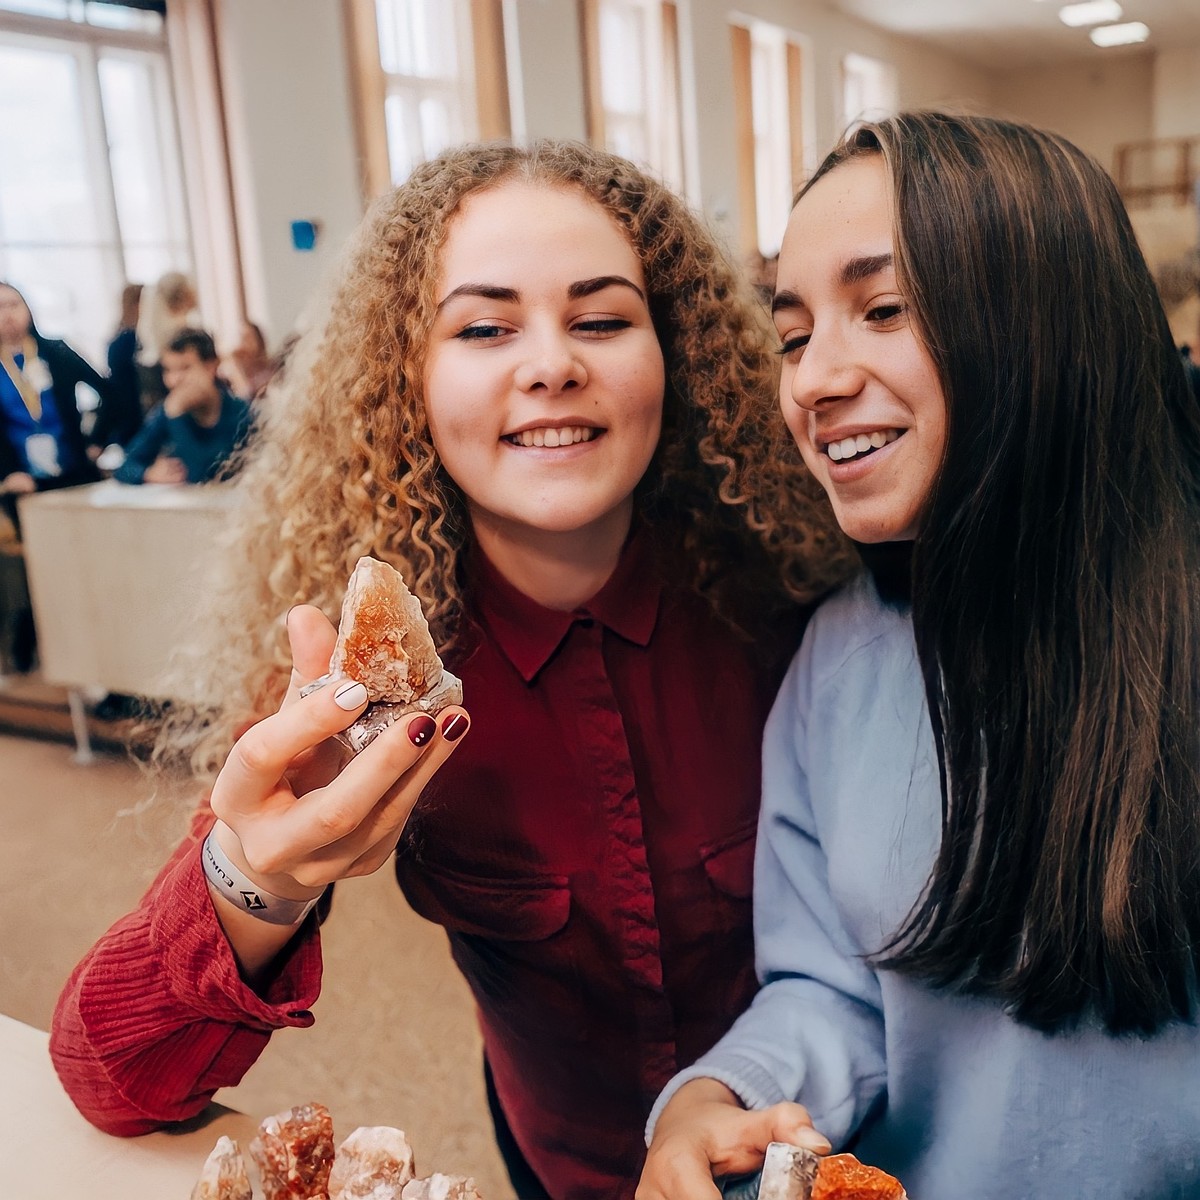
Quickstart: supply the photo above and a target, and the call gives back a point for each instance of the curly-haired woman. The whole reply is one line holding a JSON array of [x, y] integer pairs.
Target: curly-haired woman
[[540, 392]]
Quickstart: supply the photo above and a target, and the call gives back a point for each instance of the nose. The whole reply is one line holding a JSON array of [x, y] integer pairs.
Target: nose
[[828, 370], [551, 364]]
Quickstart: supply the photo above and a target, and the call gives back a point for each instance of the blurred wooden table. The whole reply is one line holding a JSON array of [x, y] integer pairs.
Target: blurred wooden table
[[114, 571], [51, 1153]]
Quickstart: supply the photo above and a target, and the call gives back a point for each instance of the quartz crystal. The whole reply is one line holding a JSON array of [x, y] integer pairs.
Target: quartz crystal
[[441, 1187], [223, 1176], [294, 1152], [384, 643], [373, 1163]]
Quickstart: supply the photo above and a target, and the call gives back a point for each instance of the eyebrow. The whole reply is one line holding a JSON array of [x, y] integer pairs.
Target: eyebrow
[[853, 271], [576, 291]]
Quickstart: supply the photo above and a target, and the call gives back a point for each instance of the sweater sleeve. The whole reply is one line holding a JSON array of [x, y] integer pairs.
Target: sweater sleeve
[[814, 1032], [144, 448], [156, 1017]]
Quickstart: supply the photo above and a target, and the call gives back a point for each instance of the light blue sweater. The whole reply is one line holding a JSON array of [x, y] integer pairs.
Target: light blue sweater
[[945, 1092]]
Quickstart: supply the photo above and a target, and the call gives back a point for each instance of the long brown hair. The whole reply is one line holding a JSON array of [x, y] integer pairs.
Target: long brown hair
[[343, 463], [1055, 583]]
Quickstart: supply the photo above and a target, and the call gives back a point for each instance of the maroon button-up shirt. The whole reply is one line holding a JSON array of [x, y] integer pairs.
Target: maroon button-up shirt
[[589, 850]]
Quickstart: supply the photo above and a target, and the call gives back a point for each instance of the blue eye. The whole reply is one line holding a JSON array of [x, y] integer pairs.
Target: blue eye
[[478, 333]]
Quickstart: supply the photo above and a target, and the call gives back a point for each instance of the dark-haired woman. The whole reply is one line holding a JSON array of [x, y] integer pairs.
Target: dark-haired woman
[[978, 879]]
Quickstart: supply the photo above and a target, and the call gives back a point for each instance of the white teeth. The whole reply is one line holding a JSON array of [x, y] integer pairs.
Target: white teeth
[[566, 436], [860, 443]]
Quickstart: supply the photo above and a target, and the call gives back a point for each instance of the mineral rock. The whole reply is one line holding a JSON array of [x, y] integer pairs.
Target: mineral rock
[[373, 1163], [223, 1176], [788, 1173], [441, 1187], [843, 1177], [294, 1152], [384, 643]]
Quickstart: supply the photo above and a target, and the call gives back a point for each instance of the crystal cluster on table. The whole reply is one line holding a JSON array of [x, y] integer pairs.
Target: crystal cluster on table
[[294, 1158]]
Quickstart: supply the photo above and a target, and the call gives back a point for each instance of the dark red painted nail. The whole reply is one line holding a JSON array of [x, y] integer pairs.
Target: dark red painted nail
[[421, 730], [454, 726]]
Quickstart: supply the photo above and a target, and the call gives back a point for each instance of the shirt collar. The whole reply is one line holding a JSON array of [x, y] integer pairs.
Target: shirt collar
[[529, 634]]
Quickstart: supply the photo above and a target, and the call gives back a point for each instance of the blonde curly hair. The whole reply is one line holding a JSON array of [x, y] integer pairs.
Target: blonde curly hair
[[343, 464]]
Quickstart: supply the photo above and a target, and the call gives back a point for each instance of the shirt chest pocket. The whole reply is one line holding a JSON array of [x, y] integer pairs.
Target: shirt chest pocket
[[512, 908]]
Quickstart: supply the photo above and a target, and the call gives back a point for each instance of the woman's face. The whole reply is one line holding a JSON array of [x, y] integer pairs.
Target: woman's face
[[859, 390], [544, 377], [15, 319]]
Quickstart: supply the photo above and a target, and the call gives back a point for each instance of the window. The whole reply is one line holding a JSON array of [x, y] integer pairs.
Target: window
[[868, 89], [88, 114], [767, 64], [633, 83], [426, 55]]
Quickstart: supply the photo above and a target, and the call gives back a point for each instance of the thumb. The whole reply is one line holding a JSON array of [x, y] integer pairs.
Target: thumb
[[789, 1123], [311, 637]]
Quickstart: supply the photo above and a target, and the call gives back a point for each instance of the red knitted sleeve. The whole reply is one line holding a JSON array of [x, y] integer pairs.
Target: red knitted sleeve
[[156, 1017]]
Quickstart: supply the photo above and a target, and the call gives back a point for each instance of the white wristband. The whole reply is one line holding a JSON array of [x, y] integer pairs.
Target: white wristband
[[242, 891]]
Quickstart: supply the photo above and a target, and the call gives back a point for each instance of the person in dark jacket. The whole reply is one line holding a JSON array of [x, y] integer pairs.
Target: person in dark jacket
[[193, 434], [120, 417], [42, 443]]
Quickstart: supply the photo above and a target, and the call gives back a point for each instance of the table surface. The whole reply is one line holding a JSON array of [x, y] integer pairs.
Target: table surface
[[52, 1153]]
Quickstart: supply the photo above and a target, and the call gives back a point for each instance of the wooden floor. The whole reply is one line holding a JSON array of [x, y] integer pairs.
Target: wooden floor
[[395, 1042]]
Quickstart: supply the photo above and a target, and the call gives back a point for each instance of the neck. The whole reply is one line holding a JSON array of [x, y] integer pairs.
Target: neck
[[558, 570]]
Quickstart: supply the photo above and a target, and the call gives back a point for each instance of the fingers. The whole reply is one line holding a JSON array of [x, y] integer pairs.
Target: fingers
[[789, 1123], [677, 1172], [311, 636], [380, 830], [264, 752]]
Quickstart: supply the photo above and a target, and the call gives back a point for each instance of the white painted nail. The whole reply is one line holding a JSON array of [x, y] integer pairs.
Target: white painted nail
[[350, 695]]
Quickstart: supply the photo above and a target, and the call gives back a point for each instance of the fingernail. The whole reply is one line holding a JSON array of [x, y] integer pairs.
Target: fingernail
[[421, 730], [350, 696], [810, 1139], [454, 726]]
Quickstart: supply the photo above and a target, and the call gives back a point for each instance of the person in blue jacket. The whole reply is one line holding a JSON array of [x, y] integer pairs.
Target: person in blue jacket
[[42, 442], [194, 434], [977, 883]]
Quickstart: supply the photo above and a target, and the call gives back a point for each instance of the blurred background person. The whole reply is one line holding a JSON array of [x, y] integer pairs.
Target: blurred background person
[[194, 433], [43, 444], [167, 308], [120, 416], [248, 367]]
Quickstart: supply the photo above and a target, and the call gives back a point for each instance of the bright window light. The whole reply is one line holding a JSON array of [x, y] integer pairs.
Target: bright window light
[[1094, 12], [1120, 35]]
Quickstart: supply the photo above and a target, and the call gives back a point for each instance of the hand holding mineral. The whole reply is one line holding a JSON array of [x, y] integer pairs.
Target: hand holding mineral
[[295, 812]]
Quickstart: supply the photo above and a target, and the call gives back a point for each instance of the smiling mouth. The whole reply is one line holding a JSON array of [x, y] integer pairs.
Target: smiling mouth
[[861, 445], [569, 435]]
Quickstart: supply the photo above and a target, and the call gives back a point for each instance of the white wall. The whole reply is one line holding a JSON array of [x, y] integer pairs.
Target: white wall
[[1177, 93], [925, 77], [544, 45], [1095, 104], [287, 95]]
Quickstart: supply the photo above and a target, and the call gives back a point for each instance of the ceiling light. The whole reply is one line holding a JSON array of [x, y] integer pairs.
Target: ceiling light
[[1120, 35], [1093, 12]]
